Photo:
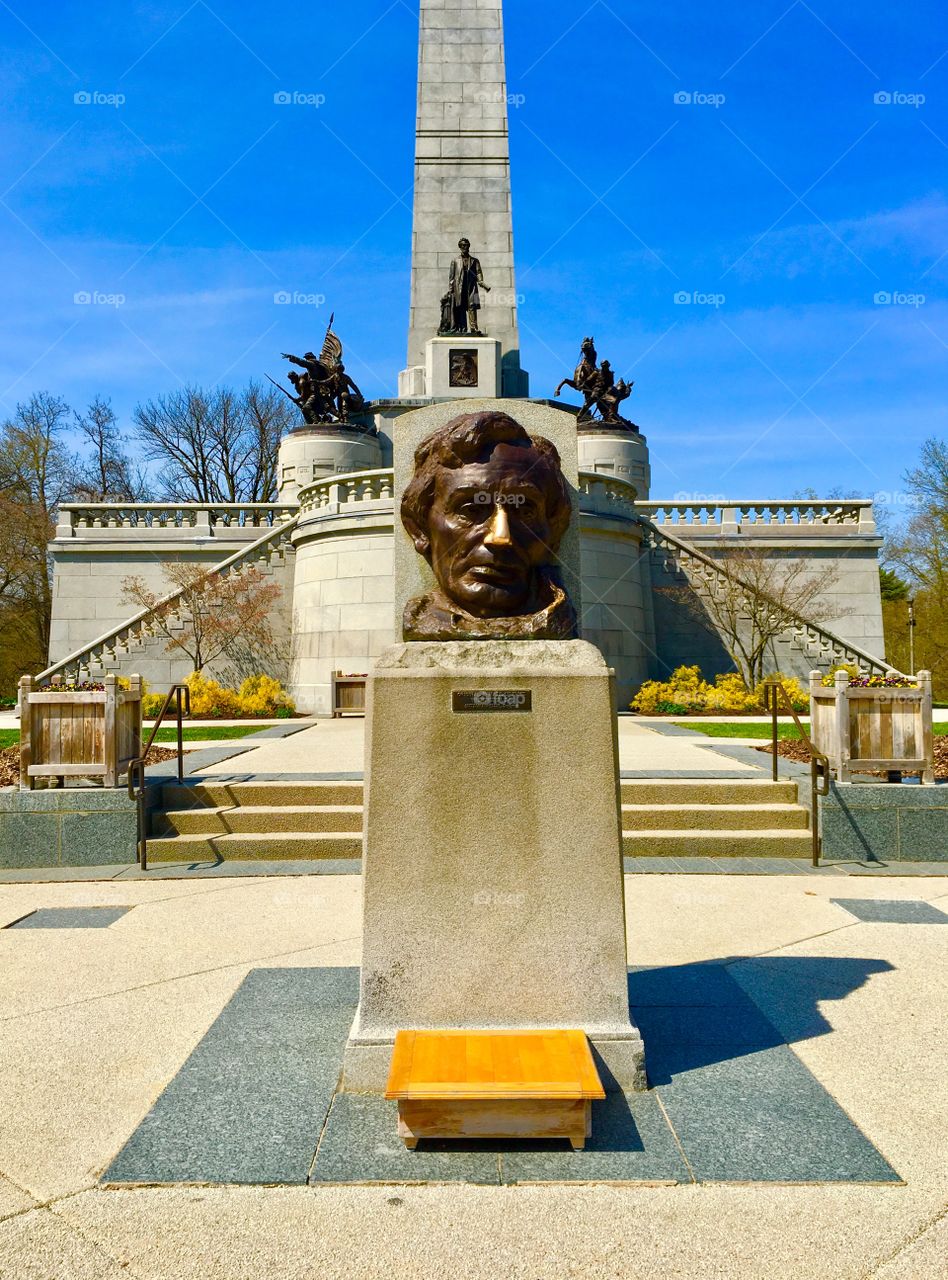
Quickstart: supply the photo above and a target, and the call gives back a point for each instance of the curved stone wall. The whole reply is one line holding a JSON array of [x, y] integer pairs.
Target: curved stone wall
[[310, 453], [618, 453]]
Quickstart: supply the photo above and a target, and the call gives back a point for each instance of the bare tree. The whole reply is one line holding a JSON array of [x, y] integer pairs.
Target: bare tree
[[215, 445], [213, 614], [755, 598], [106, 475], [919, 549], [36, 474]]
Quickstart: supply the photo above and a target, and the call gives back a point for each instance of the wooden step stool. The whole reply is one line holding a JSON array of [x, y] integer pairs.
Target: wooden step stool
[[493, 1084]]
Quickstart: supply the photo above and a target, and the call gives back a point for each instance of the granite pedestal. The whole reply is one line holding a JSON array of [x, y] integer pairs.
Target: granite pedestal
[[493, 893]]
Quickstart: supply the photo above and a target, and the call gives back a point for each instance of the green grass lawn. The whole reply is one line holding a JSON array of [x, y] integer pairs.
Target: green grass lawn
[[168, 733], [738, 730], [207, 733]]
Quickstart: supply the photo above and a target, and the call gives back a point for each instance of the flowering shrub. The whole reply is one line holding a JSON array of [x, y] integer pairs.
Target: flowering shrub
[[257, 696], [799, 697], [264, 696], [686, 693]]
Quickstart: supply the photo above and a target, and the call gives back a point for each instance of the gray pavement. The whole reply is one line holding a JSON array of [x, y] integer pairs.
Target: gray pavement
[[98, 1022]]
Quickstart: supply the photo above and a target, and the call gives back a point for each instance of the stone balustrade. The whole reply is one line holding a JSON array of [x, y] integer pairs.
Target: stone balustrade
[[89, 519], [608, 495], [764, 517], [601, 494], [360, 488]]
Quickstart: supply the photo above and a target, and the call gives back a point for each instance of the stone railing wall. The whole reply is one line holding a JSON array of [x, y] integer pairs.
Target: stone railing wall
[[360, 488], [89, 519], [606, 495], [762, 517]]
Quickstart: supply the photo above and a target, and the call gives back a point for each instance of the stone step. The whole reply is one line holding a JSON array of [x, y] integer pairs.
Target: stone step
[[289, 845], [220, 795], [715, 817], [717, 844], [661, 791], [263, 820]]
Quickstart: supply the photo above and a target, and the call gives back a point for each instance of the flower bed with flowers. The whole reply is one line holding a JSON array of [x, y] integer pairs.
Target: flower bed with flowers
[[259, 697], [858, 681], [686, 693]]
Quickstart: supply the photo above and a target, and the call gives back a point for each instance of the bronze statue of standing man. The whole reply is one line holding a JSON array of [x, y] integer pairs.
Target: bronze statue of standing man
[[460, 305]]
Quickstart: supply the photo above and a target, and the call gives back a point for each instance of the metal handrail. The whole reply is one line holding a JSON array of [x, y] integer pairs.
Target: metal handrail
[[181, 694], [774, 692]]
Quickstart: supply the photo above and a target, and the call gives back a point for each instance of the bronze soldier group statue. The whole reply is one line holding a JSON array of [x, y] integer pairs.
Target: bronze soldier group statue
[[598, 386], [325, 394]]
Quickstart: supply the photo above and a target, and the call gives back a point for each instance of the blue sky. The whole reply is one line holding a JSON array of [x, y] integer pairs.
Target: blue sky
[[782, 187]]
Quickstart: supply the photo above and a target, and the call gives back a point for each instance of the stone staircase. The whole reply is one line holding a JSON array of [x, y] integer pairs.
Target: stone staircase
[[323, 820], [713, 818], [257, 820]]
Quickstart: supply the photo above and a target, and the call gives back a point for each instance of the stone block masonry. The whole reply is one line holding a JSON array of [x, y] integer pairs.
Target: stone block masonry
[[73, 827], [883, 822], [462, 172]]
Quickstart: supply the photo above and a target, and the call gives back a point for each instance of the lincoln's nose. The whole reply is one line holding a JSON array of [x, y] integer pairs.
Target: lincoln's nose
[[498, 531]]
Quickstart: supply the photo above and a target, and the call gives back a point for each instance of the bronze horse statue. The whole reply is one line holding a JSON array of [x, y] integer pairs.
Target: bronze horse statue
[[598, 387]]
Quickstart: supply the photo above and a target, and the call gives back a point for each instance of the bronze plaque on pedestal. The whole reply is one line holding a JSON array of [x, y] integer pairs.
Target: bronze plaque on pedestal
[[463, 368], [492, 700]]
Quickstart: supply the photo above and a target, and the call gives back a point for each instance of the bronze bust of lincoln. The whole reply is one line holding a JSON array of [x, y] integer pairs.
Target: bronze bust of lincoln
[[488, 507]]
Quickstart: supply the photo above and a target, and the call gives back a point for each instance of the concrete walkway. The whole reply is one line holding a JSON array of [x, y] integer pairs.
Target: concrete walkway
[[98, 1021], [338, 746]]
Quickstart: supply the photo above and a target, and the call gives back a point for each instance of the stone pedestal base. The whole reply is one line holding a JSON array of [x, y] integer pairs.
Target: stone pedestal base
[[493, 863]]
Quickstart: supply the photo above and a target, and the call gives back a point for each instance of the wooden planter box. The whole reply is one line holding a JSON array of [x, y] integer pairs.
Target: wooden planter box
[[348, 695], [79, 735], [873, 730]]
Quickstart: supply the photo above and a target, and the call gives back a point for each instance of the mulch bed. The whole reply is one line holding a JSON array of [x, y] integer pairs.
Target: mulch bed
[[799, 752], [10, 763]]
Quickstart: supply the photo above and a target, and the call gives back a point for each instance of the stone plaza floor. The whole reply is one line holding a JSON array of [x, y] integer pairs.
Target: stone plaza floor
[[171, 1043], [796, 1128]]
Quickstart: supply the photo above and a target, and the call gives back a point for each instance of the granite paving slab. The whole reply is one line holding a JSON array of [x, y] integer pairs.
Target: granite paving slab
[[360, 1144], [249, 1104], [70, 918], [254, 1103], [630, 1142], [879, 911], [761, 1116]]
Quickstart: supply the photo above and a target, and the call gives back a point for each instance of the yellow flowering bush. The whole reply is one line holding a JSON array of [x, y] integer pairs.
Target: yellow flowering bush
[[264, 696], [798, 695], [686, 693], [729, 693]]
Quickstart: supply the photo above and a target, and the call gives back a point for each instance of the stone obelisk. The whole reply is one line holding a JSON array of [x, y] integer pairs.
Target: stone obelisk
[[462, 179]]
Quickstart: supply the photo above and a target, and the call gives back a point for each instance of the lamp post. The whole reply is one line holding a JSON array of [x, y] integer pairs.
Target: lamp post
[[912, 625]]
